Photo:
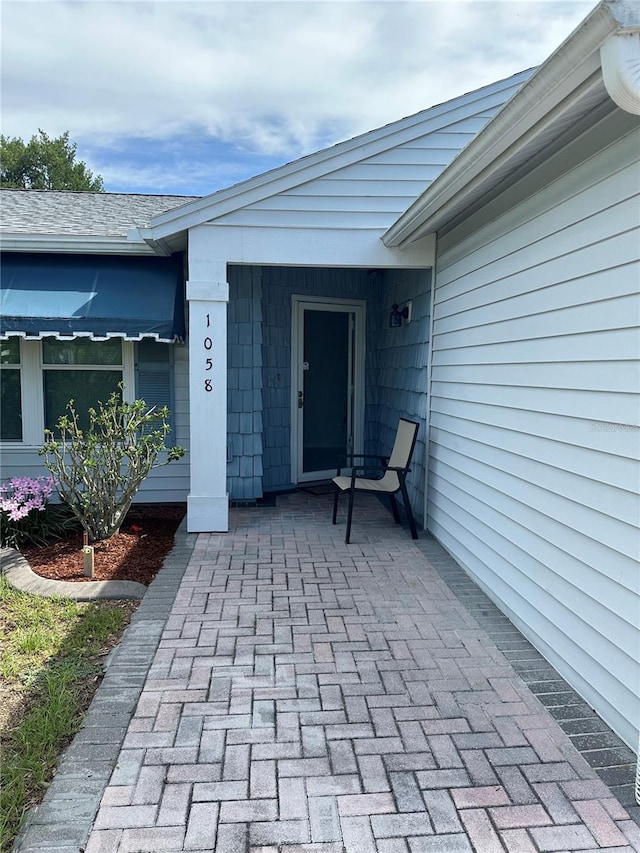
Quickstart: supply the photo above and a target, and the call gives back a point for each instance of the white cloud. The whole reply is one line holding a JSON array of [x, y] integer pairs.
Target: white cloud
[[278, 78], [179, 173]]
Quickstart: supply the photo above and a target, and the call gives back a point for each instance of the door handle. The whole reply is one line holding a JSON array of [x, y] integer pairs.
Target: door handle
[[300, 399]]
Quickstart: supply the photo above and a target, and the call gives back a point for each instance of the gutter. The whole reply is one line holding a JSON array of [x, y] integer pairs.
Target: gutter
[[620, 58], [610, 34], [133, 244], [82, 245]]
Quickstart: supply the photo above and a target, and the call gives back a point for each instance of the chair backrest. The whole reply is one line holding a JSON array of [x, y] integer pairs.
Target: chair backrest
[[402, 452], [404, 443]]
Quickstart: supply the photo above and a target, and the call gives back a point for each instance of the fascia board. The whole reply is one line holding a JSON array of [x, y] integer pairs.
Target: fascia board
[[70, 244], [530, 110], [300, 247], [317, 165], [490, 169]]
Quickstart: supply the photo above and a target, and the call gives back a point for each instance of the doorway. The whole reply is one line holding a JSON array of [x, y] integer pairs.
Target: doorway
[[327, 365]]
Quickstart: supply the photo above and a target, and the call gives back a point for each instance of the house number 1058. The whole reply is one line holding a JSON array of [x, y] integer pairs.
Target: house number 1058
[[208, 344]]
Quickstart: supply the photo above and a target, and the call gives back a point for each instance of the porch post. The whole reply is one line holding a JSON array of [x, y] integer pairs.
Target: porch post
[[207, 502]]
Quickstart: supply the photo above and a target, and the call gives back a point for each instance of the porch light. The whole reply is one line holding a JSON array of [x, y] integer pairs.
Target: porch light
[[398, 315]]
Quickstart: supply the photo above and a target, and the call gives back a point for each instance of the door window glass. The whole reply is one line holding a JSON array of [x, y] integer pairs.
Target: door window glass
[[326, 389]]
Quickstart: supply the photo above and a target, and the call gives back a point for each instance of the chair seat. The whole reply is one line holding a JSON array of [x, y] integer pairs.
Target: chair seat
[[363, 484]]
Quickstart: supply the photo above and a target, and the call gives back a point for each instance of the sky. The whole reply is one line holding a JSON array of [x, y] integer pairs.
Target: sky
[[182, 97]]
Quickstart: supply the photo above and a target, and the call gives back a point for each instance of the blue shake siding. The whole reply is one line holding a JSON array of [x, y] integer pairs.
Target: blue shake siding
[[244, 383], [259, 371]]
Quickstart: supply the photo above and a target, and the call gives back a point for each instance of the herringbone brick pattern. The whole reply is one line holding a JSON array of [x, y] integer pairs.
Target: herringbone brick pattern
[[316, 697]]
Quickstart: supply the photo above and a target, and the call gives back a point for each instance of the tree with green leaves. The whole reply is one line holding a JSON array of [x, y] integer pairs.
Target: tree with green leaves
[[44, 163]]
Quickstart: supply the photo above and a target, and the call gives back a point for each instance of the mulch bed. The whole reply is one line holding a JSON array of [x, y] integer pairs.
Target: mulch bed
[[135, 554]]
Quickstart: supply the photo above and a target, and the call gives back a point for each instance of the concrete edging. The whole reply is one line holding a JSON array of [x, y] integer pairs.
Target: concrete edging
[[21, 576]]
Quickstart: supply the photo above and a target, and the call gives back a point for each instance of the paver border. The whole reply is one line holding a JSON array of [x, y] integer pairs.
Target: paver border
[[612, 760], [63, 821]]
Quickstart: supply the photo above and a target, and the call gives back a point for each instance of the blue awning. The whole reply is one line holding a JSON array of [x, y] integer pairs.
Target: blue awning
[[91, 296]]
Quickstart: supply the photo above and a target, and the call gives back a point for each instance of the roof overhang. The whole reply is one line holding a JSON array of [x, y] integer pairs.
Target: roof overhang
[[132, 244], [138, 241], [567, 91]]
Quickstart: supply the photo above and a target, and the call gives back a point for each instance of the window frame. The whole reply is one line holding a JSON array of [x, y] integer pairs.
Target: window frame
[[32, 387]]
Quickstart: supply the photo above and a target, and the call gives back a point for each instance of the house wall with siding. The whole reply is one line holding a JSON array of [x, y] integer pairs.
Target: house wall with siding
[[21, 462], [259, 378], [278, 286], [534, 468], [399, 363], [395, 368], [244, 383], [170, 483]]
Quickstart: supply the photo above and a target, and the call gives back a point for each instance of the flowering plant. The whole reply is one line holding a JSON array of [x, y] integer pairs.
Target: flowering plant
[[21, 495], [24, 514]]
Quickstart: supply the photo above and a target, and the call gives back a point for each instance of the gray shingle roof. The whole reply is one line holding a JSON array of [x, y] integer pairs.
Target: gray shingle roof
[[80, 214]]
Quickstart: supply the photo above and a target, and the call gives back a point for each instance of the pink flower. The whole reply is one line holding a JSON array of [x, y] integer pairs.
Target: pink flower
[[20, 495]]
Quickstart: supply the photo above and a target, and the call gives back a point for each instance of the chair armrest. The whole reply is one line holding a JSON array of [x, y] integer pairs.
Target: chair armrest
[[356, 468], [382, 460], [383, 468], [363, 456]]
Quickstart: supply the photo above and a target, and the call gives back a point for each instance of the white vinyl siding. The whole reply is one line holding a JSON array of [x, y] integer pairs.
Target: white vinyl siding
[[535, 412], [372, 192]]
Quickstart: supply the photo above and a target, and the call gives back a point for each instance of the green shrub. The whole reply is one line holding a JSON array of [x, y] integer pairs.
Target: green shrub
[[99, 471]]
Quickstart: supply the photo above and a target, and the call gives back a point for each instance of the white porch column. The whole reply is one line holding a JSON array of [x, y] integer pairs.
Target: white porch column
[[207, 502]]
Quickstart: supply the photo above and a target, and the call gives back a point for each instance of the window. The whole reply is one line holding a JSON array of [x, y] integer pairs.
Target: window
[[40, 377], [80, 370], [10, 391]]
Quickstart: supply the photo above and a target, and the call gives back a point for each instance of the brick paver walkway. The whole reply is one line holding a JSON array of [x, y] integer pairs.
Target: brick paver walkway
[[316, 697]]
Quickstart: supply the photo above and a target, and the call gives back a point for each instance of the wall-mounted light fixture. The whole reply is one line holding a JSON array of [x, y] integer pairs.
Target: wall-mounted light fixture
[[398, 314]]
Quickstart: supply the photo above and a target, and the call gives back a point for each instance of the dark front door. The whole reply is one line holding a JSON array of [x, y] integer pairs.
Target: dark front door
[[325, 406]]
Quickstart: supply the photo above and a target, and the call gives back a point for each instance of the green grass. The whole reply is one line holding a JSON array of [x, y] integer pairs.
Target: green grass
[[52, 659]]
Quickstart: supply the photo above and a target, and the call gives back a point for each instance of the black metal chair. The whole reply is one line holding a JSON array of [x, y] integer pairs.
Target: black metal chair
[[392, 480]]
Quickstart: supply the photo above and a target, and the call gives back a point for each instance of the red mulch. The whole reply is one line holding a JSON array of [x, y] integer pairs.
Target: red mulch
[[134, 554]]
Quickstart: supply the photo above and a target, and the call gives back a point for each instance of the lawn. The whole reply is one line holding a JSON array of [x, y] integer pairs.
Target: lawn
[[53, 652]]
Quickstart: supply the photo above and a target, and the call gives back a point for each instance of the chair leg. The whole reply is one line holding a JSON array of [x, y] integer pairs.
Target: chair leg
[[336, 498], [407, 506], [349, 514], [394, 509]]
